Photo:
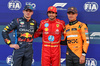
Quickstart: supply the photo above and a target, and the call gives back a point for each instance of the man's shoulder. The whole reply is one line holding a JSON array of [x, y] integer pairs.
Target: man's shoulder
[[44, 21], [61, 21], [82, 24], [18, 19], [15, 20], [33, 20], [66, 25]]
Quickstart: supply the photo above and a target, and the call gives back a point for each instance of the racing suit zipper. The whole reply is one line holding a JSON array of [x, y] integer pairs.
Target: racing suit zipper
[[27, 38], [26, 28], [50, 39], [51, 35]]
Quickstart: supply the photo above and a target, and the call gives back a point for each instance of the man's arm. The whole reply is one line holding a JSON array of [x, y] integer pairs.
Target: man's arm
[[85, 38], [35, 26], [64, 42], [38, 31], [8, 29]]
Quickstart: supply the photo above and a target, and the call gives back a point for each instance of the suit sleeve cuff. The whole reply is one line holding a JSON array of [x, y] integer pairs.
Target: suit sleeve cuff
[[84, 54], [9, 43]]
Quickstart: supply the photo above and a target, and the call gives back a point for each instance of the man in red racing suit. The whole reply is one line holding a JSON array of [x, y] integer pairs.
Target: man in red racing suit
[[51, 30]]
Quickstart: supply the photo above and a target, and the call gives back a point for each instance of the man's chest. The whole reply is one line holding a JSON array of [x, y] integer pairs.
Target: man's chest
[[52, 28], [26, 26], [74, 29]]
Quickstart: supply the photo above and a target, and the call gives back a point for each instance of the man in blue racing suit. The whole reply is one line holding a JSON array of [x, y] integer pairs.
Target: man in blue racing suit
[[24, 28]]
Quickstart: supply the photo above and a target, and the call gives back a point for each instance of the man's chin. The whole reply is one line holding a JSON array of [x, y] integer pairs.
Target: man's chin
[[52, 18], [27, 17], [70, 19]]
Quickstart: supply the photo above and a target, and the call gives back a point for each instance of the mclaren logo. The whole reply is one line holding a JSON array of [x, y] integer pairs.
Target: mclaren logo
[[60, 6]]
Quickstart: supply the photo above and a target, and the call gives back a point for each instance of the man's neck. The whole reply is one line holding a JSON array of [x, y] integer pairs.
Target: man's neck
[[52, 20], [28, 18], [73, 22]]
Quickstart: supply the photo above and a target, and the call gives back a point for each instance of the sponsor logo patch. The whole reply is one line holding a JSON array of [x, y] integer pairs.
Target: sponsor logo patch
[[31, 23], [46, 25], [46, 29]]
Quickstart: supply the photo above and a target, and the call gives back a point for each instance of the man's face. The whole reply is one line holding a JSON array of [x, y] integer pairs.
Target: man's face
[[28, 13], [72, 16], [51, 15]]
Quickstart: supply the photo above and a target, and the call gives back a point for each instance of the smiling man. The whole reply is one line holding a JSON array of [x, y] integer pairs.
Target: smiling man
[[24, 28], [51, 29], [76, 38]]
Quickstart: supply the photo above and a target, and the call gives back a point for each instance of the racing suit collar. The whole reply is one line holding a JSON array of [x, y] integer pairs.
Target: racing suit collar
[[52, 21], [26, 19], [74, 22]]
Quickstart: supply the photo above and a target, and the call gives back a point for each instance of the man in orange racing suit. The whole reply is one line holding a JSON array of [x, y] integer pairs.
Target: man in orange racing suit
[[51, 29], [76, 38]]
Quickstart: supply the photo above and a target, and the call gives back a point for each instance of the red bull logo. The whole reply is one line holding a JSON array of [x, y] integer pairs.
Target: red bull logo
[[25, 40], [27, 35]]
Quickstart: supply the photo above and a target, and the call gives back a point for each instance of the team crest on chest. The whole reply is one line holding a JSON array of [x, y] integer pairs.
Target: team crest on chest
[[57, 25]]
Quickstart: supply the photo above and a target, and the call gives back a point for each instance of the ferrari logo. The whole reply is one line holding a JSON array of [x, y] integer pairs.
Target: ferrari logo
[[57, 25]]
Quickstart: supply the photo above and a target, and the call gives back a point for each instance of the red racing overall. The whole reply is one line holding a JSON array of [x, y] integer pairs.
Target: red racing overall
[[51, 37]]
